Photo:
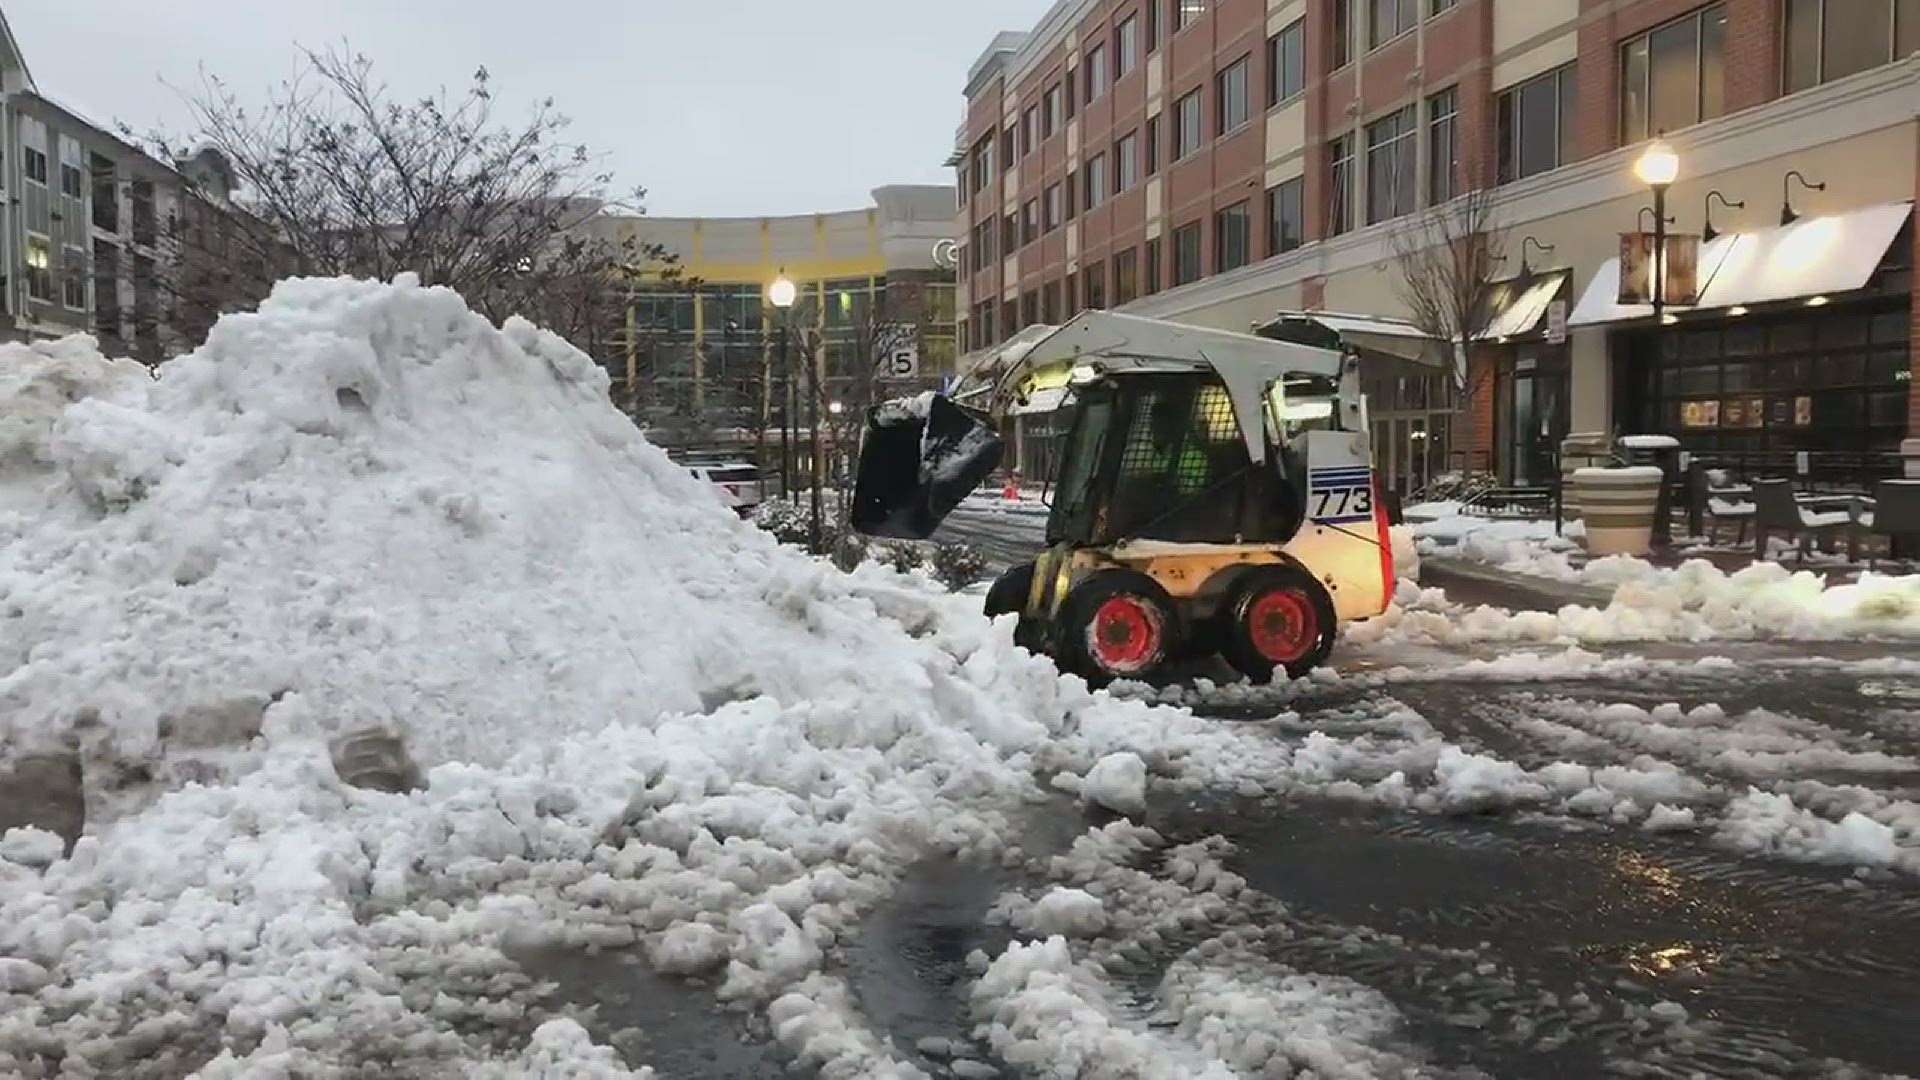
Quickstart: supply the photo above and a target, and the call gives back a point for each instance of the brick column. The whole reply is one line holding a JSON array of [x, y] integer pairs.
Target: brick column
[[1754, 35], [1482, 387], [1598, 78]]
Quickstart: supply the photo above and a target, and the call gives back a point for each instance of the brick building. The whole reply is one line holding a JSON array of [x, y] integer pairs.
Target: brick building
[[1216, 161]]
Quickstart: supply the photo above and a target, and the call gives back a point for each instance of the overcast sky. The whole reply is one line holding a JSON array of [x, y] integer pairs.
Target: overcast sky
[[717, 107]]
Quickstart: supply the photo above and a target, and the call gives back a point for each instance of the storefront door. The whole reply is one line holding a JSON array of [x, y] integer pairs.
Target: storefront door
[[1534, 416]]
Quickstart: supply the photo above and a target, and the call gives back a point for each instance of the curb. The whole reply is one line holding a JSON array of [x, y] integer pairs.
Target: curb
[[1522, 591]]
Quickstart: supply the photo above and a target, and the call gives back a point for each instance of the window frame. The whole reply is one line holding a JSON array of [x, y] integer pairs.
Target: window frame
[[1437, 192], [1181, 124], [1223, 258], [1094, 179], [1126, 161], [1093, 71], [1197, 231], [1342, 190], [1126, 46], [1052, 208], [1224, 123], [1819, 34], [1638, 129], [1294, 190], [1183, 17], [1051, 117], [1406, 13], [1508, 130], [1278, 91], [40, 274], [1403, 145]]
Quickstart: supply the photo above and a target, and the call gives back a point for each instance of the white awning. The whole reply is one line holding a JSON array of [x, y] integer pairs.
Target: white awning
[[1815, 256], [1523, 315]]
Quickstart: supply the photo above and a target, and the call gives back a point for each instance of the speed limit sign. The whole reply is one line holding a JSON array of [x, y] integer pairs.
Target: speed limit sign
[[903, 362]]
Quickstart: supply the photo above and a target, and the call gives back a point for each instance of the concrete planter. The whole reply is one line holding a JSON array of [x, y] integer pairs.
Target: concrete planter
[[1618, 507], [1580, 450]]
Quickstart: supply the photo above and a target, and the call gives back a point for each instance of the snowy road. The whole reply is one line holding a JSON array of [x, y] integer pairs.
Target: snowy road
[[1493, 938]]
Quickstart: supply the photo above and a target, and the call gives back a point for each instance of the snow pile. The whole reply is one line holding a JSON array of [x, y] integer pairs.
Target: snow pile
[[366, 513]]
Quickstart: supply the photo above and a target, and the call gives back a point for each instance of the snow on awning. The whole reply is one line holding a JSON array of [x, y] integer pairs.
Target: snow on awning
[[1816, 256], [1518, 312]]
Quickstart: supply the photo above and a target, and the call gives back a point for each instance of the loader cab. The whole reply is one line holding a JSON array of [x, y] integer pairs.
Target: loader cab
[[1160, 456]]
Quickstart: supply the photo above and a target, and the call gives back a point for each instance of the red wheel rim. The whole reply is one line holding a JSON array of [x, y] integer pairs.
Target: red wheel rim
[[1124, 634], [1283, 625]]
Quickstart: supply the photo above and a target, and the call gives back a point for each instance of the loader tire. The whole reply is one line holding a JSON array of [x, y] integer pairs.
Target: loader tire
[[1116, 624], [1008, 596], [1276, 617]]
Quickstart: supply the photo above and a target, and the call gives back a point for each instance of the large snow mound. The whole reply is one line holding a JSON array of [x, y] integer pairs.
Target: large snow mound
[[637, 720]]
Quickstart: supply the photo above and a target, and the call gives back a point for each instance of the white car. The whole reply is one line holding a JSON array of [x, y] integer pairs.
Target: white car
[[741, 486]]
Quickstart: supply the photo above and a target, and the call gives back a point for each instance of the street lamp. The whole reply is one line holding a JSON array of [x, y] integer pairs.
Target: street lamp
[[781, 294], [1658, 167]]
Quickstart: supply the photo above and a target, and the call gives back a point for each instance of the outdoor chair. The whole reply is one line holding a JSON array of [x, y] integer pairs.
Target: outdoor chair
[[1718, 508], [1895, 514], [1775, 509]]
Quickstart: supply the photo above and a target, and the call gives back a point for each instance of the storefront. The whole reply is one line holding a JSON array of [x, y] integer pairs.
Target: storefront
[[1800, 342], [1531, 385]]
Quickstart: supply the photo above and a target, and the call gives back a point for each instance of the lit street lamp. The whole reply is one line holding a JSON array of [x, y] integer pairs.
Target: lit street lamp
[[781, 295], [1658, 168]]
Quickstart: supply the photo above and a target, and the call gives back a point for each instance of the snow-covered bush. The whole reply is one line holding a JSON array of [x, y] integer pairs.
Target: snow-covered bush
[[784, 518], [958, 565], [902, 557]]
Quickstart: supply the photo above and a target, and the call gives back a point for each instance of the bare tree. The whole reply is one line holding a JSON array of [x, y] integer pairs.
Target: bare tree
[[1448, 259], [336, 175]]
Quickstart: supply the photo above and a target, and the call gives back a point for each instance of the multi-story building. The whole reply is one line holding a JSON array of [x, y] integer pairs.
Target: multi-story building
[[84, 223], [1216, 161], [699, 345]]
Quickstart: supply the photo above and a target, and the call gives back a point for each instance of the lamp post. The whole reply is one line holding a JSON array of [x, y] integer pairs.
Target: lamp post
[[781, 295], [1657, 168]]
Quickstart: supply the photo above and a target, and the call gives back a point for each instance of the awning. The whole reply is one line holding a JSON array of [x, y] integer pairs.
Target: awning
[[1816, 256], [1368, 333], [1519, 304]]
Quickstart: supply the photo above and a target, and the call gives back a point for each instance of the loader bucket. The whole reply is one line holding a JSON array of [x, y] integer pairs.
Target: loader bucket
[[920, 457]]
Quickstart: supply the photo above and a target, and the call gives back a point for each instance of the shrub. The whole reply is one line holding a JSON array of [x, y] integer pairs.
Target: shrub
[[903, 557], [958, 565]]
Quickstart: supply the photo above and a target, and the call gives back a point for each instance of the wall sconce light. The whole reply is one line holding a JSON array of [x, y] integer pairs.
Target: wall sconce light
[[1709, 232], [1787, 213]]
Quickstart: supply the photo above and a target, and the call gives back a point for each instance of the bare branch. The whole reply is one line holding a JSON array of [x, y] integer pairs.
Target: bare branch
[[1448, 261]]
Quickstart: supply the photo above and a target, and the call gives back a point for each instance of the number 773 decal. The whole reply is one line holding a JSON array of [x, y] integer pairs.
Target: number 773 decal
[[1337, 495]]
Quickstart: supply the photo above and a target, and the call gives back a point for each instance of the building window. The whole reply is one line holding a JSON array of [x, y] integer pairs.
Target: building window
[[1340, 185], [34, 162], [1233, 237], [1126, 283], [1186, 253], [1340, 35], [1536, 125], [1029, 130], [1030, 222], [73, 278], [1388, 19], [1187, 135], [1050, 112], [1233, 95], [1392, 165], [1029, 309], [1287, 63], [1072, 190], [1832, 39], [1151, 149], [1096, 71], [1443, 145], [1674, 76], [1010, 234], [1093, 286], [1009, 148], [1156, 24], [1050, 302], [73, 183], [1286, 216], [1438, 6], [1126, 162], [1095, 181], [1126, 46], [39, 268], [1150, 268], [1054, 207], [1071, 88], [1187, 12]]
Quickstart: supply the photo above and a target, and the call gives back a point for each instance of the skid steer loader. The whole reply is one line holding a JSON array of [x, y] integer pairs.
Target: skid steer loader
[[1215, 494]]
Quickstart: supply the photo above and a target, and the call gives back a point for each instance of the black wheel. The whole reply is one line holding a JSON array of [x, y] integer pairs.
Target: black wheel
[[1008, 596], [1276, 617], [1116, 624]]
